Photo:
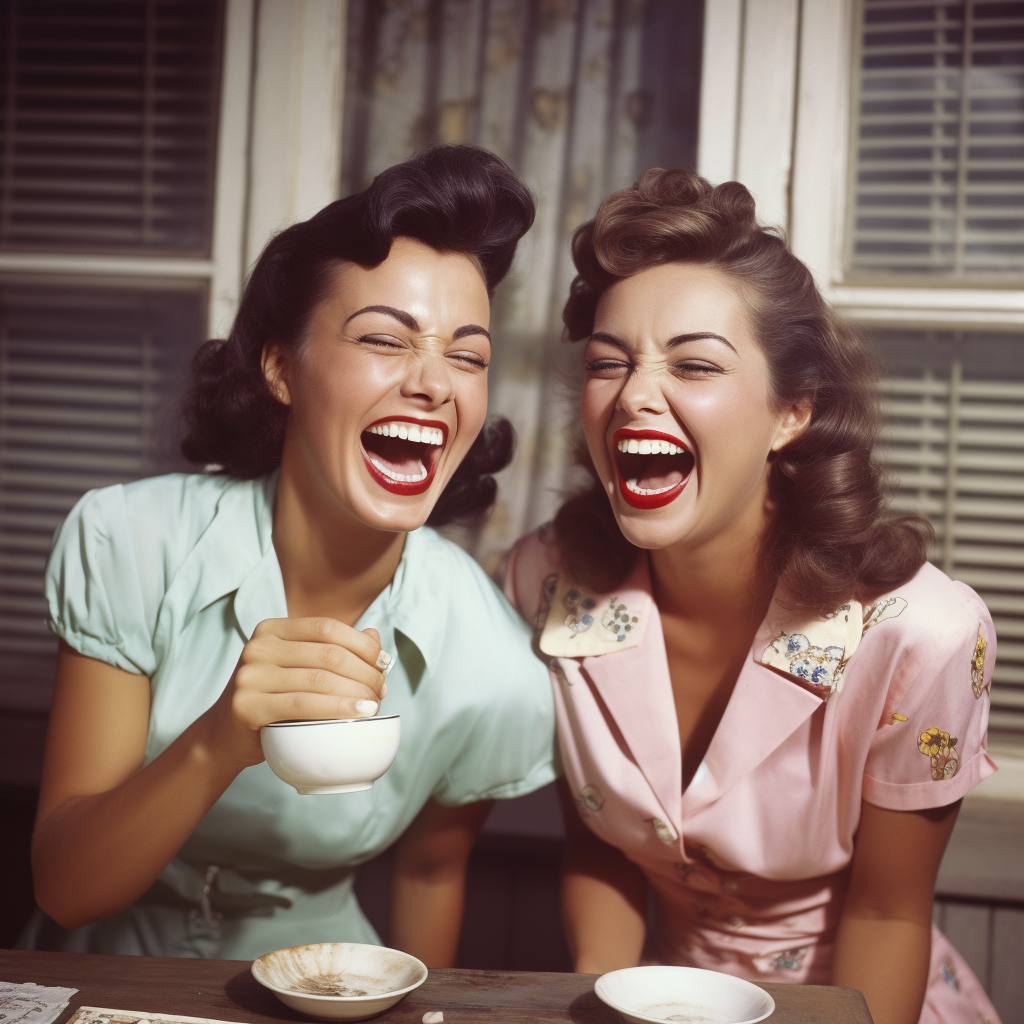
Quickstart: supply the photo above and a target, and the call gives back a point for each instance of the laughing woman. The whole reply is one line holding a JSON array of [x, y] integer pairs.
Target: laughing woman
[[345, 410], [769, 705]]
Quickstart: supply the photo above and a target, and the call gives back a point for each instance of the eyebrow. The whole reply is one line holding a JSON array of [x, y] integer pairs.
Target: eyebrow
[[679, 339], [405, 319], [465, 332], [408, 320]]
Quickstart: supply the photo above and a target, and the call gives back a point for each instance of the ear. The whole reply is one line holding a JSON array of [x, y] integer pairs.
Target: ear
[[795, 421], [274, 362]]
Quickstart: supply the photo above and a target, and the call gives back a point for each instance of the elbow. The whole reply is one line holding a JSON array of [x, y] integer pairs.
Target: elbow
[[60, 898]]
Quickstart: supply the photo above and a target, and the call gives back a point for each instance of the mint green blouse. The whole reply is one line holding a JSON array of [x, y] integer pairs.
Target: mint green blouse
[[167, 578]]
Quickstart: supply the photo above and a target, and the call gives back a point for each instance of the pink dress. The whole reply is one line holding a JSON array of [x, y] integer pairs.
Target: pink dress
[[749, 865]]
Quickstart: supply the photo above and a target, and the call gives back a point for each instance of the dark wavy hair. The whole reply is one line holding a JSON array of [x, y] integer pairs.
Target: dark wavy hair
[[456, 199], [832, 537]]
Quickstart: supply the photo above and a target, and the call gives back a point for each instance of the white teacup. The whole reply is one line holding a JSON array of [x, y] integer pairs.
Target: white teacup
[[338, 755]]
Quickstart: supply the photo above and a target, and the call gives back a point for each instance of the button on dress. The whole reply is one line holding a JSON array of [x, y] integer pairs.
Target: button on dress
[[749, 865], [167, 578]]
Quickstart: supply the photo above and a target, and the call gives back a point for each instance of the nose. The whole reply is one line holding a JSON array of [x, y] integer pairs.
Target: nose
[[641, 393], [429, 379]]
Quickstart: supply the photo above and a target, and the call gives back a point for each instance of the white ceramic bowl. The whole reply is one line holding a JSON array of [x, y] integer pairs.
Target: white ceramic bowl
[[339, 980], [644, 994], [342, 755]]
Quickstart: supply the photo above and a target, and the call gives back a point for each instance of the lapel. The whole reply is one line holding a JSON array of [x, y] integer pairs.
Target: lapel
[[637, 690], [796, 663], [231, 548], [764, 710], [618, 640]]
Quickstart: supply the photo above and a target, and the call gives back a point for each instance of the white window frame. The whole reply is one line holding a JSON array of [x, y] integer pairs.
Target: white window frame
[[278, 150], [775, 114]]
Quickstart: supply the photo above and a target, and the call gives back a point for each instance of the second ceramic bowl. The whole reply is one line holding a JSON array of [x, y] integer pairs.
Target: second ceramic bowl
[[654, 994], [342, 755]]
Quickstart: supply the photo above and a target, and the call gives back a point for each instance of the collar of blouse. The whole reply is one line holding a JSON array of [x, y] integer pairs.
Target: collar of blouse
[[796, 663]]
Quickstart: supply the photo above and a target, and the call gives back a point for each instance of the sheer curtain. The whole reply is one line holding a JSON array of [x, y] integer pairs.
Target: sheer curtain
[[578, 96]]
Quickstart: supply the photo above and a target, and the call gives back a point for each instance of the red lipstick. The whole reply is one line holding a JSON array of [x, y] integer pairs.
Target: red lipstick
[[658, 498], [429, 456]]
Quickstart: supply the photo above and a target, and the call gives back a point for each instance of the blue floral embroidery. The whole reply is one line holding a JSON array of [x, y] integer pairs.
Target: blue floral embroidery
[[577, 603], [818, 666]]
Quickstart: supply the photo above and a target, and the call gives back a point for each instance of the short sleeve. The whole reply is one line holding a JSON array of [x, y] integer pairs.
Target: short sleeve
[[93, 594], [508, 748], [509, 752], [929, 747]]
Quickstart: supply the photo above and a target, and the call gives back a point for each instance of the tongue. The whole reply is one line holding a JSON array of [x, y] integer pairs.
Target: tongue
[[661, 471], [405, 457]]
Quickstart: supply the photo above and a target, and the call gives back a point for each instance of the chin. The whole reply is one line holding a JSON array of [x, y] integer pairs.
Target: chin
[[383, 512], [657, 528]]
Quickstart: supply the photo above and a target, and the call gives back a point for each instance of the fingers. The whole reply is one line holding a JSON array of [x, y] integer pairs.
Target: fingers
[[268, 693], [365, 645], [306, 655]]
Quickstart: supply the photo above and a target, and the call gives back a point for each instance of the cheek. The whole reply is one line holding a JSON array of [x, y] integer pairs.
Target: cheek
[[471, 404]]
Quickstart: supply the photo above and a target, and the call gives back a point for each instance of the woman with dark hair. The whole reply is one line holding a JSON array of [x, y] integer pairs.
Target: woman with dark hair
[[344, 411], [769, 705]]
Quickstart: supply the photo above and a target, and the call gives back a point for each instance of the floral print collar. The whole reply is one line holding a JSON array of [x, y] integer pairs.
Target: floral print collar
[[812, 650]]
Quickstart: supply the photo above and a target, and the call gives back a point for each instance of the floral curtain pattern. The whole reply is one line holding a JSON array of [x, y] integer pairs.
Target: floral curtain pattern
[[578, 96]]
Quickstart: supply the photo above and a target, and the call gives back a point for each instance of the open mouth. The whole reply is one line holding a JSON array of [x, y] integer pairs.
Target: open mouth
[[402, 453], [653, 467]]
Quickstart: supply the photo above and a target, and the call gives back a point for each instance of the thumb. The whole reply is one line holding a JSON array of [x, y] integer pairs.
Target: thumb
[[384, 660]]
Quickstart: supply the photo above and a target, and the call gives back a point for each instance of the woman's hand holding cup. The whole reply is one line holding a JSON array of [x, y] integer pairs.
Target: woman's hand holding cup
[[298, 669]]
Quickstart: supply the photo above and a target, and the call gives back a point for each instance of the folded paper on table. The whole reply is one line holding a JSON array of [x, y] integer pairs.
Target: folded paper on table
[[102, 1015], [30, 1003]]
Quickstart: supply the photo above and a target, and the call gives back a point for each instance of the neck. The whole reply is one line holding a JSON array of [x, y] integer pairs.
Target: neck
[[723, 582], [332, 563]]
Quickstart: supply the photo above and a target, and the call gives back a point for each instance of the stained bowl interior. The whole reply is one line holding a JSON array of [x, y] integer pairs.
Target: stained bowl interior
[[339, 971]]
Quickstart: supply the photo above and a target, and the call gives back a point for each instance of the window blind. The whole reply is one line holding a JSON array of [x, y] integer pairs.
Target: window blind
[[954, 449], [937, 168], [108, 122], [88, 382]]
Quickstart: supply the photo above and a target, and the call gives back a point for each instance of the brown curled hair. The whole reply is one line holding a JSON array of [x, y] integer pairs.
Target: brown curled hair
[[832, 537]]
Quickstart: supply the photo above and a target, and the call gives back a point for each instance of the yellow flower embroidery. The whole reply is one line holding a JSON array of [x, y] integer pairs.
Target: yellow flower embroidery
[[978, 666], [941, 750]]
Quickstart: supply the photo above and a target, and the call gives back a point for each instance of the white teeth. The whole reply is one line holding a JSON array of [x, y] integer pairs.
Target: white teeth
[[399, 478], [409, 432], [636, 489], [646, 446]]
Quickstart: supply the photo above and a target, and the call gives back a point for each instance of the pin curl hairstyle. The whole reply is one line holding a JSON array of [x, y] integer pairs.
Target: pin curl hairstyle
[[456, 199], [832, 537]]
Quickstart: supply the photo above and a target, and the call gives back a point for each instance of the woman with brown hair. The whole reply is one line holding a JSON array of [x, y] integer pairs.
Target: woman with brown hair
[[769, 704]]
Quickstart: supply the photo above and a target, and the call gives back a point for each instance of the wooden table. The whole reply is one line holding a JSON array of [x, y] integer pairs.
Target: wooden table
[[224, 989]]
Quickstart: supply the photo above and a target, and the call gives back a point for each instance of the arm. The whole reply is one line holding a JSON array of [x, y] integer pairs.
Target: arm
[[429, 880], [107, 826], [883, 946], [604, 898]]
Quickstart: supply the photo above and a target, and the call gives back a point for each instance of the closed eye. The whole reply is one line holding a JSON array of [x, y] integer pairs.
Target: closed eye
[[696, 368], [470, 358], [608, 367], [380, 341]]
